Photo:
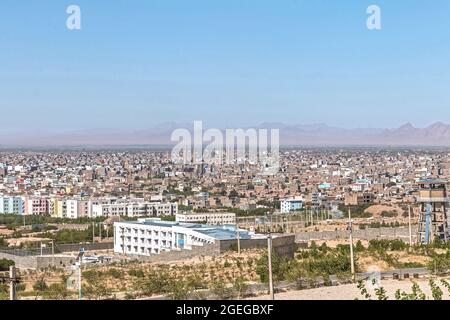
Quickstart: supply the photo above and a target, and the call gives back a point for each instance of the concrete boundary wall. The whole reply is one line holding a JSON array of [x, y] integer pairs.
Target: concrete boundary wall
[[38, 262], [401, 233], [282, 245]]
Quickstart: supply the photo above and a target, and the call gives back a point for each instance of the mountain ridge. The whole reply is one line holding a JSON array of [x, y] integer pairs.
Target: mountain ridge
[[436, 134]]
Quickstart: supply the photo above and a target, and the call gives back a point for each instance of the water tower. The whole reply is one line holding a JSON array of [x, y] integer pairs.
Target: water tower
[[433, 205]]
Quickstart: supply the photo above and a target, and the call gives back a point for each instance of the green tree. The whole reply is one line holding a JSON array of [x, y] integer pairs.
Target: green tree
[[5, 264], [220, 289], [280, 267], [239, 286], [40, 285], [436, 292], [56, 291]]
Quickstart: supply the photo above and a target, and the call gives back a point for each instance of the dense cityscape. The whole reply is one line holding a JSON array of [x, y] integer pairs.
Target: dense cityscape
[[137, 209], [203, 159]]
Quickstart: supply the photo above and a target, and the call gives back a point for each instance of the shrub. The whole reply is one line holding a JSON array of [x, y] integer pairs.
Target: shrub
[[389, 214], [5, 264], [439, 263], [280, 267], [91, 275], [115, 273], [40, 285], [138, 273]]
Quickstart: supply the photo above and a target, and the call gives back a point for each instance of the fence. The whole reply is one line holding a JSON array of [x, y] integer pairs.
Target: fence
[[401, 233], [59, 248]]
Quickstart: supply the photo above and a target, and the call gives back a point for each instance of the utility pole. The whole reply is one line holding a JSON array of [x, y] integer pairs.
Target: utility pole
[[409, 223], [80, 263], [269, 255], [238, 236], [79, 281], [352, 261], [12, 283], [53, 253]]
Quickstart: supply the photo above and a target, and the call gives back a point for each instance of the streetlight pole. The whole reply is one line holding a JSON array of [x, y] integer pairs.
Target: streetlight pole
[[269, 249], [80, 263], [12, 283], [409, 224], [53, 253], [238, 239], [79, 281], [352, 261]]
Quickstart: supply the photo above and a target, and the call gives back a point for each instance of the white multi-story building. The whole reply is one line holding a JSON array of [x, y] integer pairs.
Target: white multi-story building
[[290, 205], [36, 205], [212, 218], [162, 209], [77, 208], [134, 209], [153, 236], [11, 205]]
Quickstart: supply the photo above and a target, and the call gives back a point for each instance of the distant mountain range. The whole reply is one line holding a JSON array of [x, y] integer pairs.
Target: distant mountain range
[[437, 134]]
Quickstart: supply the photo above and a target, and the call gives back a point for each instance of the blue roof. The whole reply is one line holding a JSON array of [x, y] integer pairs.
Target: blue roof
[[222, 233]]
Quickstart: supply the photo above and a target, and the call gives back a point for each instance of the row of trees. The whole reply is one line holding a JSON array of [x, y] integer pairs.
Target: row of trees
[[416, 292], [13, 221]]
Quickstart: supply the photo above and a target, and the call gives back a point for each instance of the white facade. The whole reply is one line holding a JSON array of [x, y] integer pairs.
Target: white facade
[[155, 236], [212, 218], [78, 207], [290, 205], [134, 209]]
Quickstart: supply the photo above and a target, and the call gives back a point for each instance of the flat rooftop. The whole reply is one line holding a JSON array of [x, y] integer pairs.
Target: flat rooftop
[[213, 212], [433, 181], [224, 232]]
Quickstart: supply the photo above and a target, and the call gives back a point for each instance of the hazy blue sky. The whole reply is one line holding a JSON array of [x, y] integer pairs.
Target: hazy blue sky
[[229, 63]]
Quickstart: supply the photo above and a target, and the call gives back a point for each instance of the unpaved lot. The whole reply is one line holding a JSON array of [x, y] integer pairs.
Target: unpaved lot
[[350, 291]]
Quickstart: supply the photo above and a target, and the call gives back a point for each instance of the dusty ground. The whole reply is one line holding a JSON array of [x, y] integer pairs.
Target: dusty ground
[[350, 291], [18, 241], [5, 231], [376, 210]]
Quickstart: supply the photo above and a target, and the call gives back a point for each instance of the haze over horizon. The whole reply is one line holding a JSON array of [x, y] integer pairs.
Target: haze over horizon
[[134, 65], [437, 134]]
